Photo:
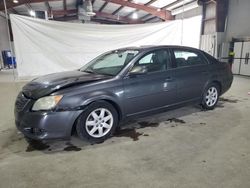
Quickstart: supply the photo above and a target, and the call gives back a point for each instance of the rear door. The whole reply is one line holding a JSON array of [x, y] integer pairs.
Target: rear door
[[191, 73], [154, 89]]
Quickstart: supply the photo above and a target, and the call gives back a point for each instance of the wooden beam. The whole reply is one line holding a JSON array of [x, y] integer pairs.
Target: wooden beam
[[163, 14], [146, 4], [120, 8]]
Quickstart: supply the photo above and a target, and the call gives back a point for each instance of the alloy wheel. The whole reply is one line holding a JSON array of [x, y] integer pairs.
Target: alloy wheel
[[211, 96], [99, 122]]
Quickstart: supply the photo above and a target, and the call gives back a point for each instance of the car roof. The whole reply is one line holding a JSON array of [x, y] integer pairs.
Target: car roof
[[152, 47]]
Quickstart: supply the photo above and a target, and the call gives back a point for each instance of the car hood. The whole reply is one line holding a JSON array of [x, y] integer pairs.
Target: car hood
[[45, 85]]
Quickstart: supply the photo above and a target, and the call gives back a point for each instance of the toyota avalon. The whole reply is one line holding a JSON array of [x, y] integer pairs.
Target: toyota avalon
[[117, 85]]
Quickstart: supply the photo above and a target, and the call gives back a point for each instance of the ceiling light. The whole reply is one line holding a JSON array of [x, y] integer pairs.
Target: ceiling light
[[135, 15], [15, 1], [32, 13]]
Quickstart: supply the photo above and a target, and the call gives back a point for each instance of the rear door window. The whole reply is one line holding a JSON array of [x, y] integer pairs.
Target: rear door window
[[186, 58]]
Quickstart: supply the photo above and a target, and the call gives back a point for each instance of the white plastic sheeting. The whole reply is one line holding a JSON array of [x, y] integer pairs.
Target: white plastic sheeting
[[44, 47]]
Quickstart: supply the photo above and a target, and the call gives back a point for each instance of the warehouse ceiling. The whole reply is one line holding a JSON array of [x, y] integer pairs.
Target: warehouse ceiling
[[106, 11]]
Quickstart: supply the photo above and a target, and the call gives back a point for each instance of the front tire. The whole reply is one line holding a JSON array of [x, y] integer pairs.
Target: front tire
[[97, 122], [210, 96]]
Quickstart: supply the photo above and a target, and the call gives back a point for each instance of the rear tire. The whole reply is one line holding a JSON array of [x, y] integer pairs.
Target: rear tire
[[97, 122], [210, 96]]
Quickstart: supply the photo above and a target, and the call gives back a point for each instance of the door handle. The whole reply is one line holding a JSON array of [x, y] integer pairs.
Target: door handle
[[169, 79]]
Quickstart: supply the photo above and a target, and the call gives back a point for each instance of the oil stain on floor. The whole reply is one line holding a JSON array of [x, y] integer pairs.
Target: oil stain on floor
[[176, 120], [131, 132], [144, 124], [71, 147], [228, 100], [36, 145], [128, 132]]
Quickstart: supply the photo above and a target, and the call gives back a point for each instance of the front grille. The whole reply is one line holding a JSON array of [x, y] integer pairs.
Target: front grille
[[21, 101]]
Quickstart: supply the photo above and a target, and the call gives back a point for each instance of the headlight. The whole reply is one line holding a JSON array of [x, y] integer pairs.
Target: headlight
[[46, 103]]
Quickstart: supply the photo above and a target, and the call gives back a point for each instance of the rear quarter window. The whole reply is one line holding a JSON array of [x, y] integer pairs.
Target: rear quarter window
[[210, 58]]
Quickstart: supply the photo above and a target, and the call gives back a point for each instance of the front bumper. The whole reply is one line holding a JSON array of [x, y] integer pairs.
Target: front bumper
[[43, 125], [46, 125]]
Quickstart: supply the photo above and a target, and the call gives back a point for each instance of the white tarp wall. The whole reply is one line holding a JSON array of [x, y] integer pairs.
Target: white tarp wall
[[44, 47]]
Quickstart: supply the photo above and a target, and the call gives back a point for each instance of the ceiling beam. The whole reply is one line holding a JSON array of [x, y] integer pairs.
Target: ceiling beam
[[103, 6], [168, 6], [172, 4], [146, 4], [163, 14], [59, 13], [117, 10], [150, 2], [185, 4], [120, 8]]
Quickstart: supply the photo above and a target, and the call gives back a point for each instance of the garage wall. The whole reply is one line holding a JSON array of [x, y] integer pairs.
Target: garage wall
[[238, 19], [4, 43]]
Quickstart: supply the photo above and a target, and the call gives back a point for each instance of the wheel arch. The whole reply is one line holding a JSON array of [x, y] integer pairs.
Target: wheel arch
[[218, 83], [106, 99]]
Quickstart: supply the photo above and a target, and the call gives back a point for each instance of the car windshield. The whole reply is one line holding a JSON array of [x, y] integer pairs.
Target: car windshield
[[110, 63]]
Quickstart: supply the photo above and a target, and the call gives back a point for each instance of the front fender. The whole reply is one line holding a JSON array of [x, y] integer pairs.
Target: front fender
[[81, 101]]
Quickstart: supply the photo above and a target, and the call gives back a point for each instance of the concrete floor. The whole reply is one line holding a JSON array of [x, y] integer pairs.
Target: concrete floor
[[196, 149]]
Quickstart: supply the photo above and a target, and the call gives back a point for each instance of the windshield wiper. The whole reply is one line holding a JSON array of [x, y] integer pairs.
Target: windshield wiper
[[89, 71]]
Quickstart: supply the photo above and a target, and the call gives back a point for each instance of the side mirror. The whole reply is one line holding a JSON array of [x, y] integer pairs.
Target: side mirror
[[138, 70]]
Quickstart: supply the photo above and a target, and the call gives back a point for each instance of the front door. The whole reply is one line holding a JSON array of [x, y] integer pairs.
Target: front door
[[153, 89]]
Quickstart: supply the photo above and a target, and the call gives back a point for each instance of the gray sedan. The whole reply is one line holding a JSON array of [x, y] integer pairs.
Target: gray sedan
[[117, 85]]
